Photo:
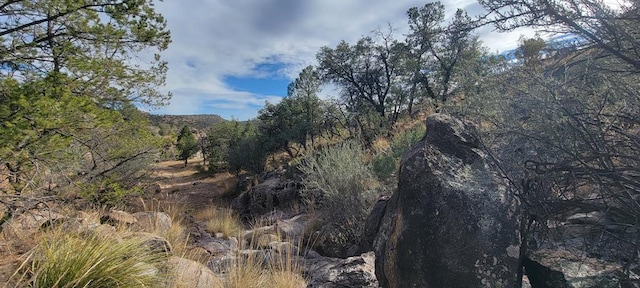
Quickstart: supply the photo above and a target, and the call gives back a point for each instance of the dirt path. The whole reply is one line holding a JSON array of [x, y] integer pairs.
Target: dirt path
[[187, 185]]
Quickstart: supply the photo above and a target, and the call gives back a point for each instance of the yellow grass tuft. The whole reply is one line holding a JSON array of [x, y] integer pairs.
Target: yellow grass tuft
[[76, 260], [220, 220]]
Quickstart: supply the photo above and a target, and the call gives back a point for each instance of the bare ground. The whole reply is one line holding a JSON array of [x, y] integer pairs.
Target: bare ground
[[192, 187]]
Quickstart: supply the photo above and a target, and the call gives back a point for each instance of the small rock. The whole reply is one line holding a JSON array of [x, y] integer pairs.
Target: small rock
[[156, 222], [264, 240], [153, 189], [188, 273], [591, 218], [117, 217], [284, 248], [222, 265], [105, 231], [216, 248], [153, 241], [293, 228], [30, 222]]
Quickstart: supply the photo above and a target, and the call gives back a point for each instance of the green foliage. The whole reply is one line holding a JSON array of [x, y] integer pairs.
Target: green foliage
[[298, 117], [529, 50], [91, 43], [401, 143], [30, 128], [364, 71], [384, 165], [68, 87], [381, 78], [249, 154], [50, 135], [108, 192], [442, 49], [92, 261], [342, 187], [221, 137], [307, 106], [186, 144]]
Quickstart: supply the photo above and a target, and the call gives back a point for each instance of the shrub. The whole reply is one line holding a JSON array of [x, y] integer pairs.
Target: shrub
[[108, 192], [91, 261], [384, 165], [402, 142], [340, 184], [249, 154]]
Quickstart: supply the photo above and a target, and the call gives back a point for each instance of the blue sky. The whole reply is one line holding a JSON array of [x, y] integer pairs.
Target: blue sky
[[229, 57]]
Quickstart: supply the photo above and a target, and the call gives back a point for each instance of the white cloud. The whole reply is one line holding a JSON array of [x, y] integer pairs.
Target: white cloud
[[217, 38]]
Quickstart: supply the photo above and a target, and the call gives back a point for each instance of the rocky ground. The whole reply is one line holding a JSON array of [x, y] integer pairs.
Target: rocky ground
[[208, 258], [450, 222]]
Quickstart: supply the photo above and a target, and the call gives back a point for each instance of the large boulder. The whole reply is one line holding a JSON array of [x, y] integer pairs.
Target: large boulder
[[372, 224], [272, 194], [452, 222]]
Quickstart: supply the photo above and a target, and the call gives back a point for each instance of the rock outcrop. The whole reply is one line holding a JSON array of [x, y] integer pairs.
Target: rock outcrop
[[564, 268], [452, 222], [356, 271], [372, 225], [582, 249], [272, 194]]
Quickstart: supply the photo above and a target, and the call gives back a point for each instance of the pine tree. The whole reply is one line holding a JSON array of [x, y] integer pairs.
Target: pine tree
[[187, 144]]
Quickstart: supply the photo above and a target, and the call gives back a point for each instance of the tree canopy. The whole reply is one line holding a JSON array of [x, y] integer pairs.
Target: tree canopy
[[187, 144], [92, 43], [70, 75]]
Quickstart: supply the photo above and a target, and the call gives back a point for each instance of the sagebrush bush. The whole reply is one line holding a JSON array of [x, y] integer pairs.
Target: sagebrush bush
[[340, 184]]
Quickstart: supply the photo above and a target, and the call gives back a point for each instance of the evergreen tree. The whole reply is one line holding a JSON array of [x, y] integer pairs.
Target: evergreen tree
[[67, 89], [187, 144]]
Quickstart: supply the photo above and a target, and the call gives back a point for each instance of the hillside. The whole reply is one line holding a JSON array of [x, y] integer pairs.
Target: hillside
[[175, 122]]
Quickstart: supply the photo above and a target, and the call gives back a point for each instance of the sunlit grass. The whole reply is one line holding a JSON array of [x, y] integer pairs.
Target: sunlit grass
[[221, 221], [266, 269], [75, 260]]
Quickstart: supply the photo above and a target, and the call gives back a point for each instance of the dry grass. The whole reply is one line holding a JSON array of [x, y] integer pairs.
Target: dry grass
[[267, 269], [253, 266], [88, 260], [219, 220], [287, 279], [176, 235]]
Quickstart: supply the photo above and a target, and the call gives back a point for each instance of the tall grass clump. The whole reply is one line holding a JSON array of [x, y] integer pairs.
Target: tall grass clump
[[341, 186], [64, 260], [266, 268], [222, 221]]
